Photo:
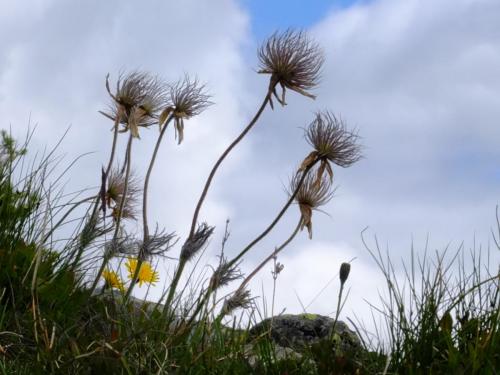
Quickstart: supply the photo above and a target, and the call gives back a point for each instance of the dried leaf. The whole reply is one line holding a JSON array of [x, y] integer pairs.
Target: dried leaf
[[134, 120], [179, 130], [164, 116], [311, 158], [306, 212], [329, 170]]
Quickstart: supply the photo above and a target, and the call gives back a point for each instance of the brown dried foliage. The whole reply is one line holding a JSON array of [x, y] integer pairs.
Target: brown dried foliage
[[312, 194], [140, 96], [115, 194]]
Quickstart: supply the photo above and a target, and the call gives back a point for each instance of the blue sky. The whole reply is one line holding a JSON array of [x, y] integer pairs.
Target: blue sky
[[268, 16]]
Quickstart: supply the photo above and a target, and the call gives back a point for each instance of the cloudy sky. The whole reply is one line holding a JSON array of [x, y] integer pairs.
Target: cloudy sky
[[419, 79]]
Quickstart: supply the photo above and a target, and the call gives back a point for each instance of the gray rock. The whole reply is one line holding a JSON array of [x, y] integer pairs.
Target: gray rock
[[301, 331]]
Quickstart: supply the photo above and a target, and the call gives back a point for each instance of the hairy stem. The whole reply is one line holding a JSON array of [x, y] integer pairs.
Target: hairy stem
[[277, 218], [271, 256], [120, 211], [180, 267], [145, 239], [221, 158], [146, 182], [261, 236]]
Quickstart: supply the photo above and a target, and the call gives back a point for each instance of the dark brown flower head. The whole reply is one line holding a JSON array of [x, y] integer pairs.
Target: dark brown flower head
[[312, 194], [240, 299], [224, 274], [138, 99], [345, 268], [294, 62], [187, 98], [332, 141], [115, 193], [196, 242]]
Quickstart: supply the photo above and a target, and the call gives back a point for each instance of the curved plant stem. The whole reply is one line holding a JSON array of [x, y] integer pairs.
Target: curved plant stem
[[264, 262], [221, 158], [180, 267], [146, 182], [145, 239], [120, 211], [260, 237], [271, 256], [277, 218]]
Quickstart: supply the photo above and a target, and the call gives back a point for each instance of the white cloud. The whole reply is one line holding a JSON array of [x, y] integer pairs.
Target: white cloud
[[421, 82], [420, 79]]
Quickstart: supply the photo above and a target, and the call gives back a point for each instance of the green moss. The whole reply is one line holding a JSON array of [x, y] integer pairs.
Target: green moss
[[309, 316]]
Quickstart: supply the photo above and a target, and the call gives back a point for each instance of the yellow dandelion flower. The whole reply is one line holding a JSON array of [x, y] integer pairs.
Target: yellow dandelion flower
[[113, 280], [146, 273]]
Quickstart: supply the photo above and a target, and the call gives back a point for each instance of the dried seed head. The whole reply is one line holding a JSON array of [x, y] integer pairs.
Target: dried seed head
[[224, 274], [115, 193], [345, 268], [293, 61], [187, 98], [123, 245], [128, 212], [332, 141], [196, 242], [157, 244], [312, 194], [278, 267], [240, 299], [138, 99]]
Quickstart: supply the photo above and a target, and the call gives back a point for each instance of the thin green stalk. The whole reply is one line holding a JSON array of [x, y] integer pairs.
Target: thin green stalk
[[66, 214], [145, 240], [337, 313], [120, 211]]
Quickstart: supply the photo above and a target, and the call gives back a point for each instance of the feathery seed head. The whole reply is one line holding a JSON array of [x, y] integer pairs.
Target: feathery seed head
[[239, 299], [115, 193], [332, 141], [224, 274], [196, 242], [138, 99], [157, 244], [187, 98], [314, 192], [120, 246], [294, 62]]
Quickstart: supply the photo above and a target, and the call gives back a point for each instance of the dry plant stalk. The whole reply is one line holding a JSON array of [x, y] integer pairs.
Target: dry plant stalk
[[294, 62], [141, 100]]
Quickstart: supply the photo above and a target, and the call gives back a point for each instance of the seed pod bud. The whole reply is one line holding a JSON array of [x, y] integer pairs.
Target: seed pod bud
[[345, 268]]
